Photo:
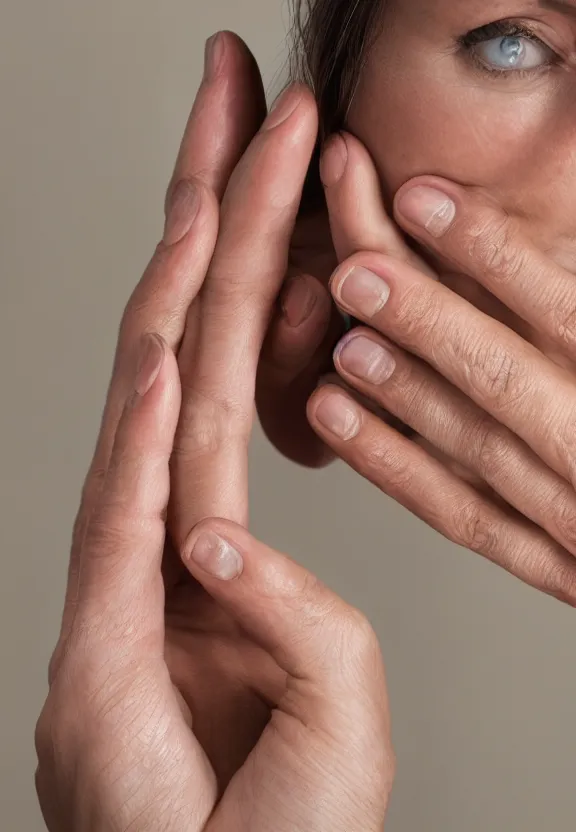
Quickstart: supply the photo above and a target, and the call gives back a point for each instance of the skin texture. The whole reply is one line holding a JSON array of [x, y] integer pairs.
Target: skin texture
[[203, 681], [510, 139], [491, 395]]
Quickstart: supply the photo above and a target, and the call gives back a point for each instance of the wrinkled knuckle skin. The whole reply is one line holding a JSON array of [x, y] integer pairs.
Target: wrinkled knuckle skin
[[560, 582], [491, 451], [107, 535], [472, 528], [564, 327], [496, 376], [207, 425], [389, 466], [565, 522], [489, 243], [564, 444]]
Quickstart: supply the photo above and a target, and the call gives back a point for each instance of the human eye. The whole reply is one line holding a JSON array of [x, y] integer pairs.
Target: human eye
[[506, 47]]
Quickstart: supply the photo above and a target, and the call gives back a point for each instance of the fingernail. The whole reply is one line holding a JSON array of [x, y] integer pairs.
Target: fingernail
[[150, 360], [298, 301], [365, 359], [340, 415], [282, 108], [333, 161], [213, 54], [362, 292], [182, 212], [428, 208], [217, 557]]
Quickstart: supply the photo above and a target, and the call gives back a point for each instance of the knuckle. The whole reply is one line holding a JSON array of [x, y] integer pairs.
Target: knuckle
[[564, 325], [362, 641], [351, 645], [235, 292], [563, 441], [496, 374], [388, 463], [489, 242], [559, 581], [108, 534], [491, 451], [471, 527], [309, 597], [209, 423], [43, 736], [565, 522], [56, 661]]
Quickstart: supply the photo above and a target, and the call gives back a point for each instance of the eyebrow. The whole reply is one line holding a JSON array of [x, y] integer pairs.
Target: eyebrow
[[563, 6]]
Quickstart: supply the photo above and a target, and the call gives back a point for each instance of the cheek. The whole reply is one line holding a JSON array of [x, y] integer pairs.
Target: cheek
[[520, 148]]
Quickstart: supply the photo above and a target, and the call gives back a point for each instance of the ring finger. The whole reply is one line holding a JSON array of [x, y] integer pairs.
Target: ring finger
[[451, 422], [219, 357], [412, 477]]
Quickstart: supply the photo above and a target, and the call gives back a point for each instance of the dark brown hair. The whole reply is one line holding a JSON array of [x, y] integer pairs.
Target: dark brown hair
[[331, 41]]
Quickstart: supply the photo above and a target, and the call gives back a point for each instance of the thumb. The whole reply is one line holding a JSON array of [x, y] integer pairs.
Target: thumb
[[310, 632], [328, 741]]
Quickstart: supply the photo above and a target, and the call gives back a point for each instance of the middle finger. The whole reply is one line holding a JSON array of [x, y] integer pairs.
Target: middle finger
[[494, 366], [219, 360]]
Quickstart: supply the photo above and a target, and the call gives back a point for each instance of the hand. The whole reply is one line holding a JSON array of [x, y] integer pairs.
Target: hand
[[226, 270], [496, 470], [117, 744]]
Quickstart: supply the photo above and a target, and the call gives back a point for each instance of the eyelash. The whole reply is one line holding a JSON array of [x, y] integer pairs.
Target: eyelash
[[502, 29]]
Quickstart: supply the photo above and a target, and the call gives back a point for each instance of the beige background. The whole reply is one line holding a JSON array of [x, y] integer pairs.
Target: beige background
[[93, 99]]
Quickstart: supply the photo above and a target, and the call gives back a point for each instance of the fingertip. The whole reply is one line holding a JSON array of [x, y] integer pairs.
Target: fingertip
[[304, 297], [156, 394], [333, 160], [335, 414], [210, 554], [327, 385], [151, 355]]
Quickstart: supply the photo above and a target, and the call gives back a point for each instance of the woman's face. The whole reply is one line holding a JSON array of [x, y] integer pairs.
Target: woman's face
[[482, 92]]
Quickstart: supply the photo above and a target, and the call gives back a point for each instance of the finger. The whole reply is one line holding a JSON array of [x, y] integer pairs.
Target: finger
[[122, 551], [119, 594], [453, 424], [160, 301], [297, 350], [358, 216], [478, 238], [332, 656], [219, 361], [159, 304], [227, 112], [502, 373], [408, 474], [290, 613]]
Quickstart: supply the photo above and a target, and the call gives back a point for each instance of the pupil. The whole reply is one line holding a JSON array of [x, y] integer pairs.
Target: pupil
[[511, 48]]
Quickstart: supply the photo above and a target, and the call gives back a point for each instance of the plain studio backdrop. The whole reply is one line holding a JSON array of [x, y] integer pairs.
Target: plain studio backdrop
[[94, 97]]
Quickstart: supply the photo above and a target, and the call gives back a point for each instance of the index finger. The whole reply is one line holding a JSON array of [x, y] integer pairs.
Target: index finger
[[228, 110], [481, 240]]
